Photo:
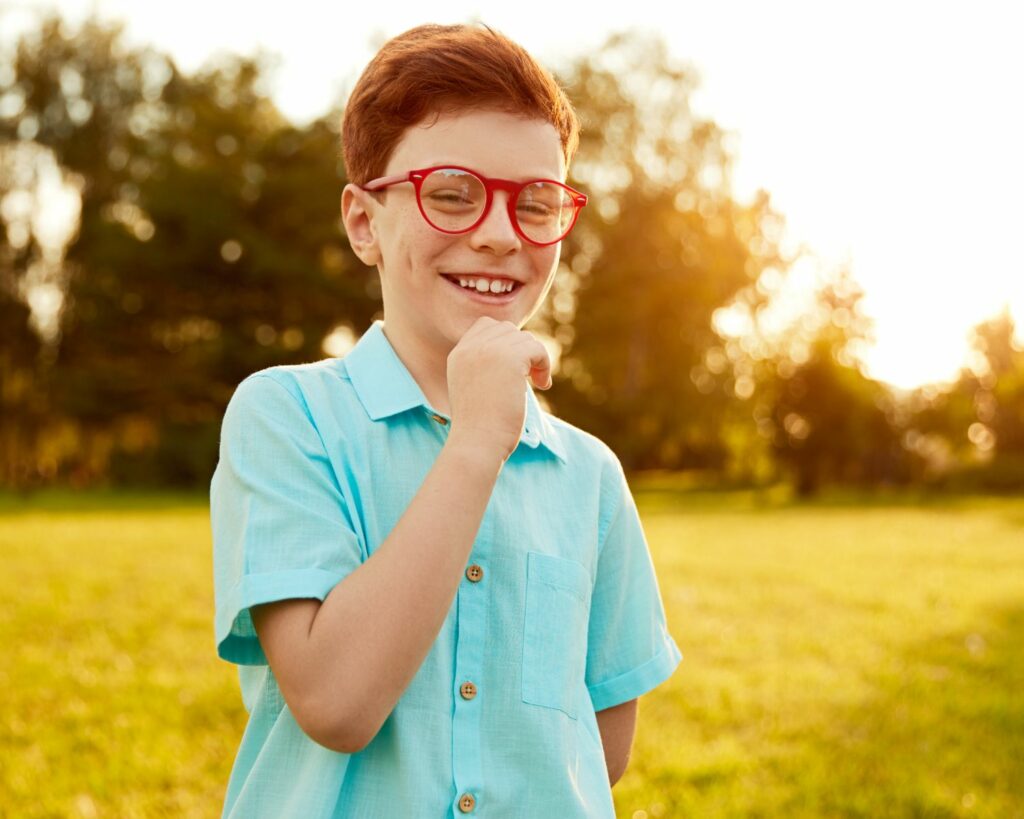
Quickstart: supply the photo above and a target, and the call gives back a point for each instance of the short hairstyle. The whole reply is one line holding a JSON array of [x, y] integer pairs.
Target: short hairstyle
[[442, 69]]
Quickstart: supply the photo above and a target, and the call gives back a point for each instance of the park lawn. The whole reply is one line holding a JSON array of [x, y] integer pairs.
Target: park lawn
[[840, 659]]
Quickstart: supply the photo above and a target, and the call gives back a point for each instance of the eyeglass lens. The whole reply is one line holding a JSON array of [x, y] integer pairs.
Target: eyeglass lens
[[453, 200]]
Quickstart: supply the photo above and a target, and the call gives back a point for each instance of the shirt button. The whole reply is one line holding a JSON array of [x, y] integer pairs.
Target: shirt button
[[440, 419], [468, 690], [466, 802], [474, 573]]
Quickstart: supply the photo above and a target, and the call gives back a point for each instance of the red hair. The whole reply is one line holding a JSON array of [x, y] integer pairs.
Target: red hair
[[435, 69]]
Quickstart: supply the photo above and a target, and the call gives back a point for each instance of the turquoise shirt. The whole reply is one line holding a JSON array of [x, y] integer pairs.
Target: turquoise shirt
[[557, 615]]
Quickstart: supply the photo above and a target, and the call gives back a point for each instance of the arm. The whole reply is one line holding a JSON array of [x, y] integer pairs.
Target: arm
[[617, 725], [343, 664]]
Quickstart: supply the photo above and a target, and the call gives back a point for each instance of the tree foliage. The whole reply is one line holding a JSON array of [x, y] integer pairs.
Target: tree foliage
[[664, 247], [205, 243]]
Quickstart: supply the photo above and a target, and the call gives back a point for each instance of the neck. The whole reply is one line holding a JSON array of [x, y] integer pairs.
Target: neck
[[428, 365]]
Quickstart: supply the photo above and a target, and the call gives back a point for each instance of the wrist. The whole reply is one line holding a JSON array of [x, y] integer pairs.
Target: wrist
[[477, 448]]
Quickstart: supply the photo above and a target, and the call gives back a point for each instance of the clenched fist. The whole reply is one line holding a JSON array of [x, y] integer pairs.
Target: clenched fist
[[486, 390]]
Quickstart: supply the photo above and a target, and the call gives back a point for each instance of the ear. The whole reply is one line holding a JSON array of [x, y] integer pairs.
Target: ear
[[357, 213]]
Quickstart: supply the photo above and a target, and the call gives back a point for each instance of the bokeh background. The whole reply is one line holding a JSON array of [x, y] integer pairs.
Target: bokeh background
[[793, 308]]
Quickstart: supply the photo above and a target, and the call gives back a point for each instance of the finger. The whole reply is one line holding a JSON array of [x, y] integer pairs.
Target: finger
[[531, 345], [480, 325], [490, 331], [539, 365]]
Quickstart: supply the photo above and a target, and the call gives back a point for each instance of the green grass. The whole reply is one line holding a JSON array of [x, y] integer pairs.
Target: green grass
[[843, 658]]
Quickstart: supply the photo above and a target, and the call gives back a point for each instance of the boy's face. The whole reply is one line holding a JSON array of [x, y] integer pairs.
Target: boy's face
[[411, 256]]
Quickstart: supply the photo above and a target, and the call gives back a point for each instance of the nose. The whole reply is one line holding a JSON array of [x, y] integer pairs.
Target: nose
[[496, 231]]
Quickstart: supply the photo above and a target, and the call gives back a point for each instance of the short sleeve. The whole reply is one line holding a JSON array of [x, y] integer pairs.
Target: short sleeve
[[629, 648], [281, 525]]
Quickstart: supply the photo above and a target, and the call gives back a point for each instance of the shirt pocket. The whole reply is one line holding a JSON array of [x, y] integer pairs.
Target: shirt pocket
[[555, 631]]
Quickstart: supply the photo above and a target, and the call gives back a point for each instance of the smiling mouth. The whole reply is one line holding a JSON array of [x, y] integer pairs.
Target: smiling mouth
[[486, 296]]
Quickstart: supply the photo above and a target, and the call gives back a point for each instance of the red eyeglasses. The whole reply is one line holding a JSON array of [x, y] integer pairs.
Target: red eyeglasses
[[454, 199]]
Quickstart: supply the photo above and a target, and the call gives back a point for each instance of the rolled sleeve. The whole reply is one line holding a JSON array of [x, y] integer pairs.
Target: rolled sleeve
[[281, 526], [629, 648]]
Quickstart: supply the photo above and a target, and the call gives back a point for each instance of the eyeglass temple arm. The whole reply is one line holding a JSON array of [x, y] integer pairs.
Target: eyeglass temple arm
[[384, 181]]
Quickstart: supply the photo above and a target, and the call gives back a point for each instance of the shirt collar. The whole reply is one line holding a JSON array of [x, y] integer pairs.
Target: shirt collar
[[385, 387]]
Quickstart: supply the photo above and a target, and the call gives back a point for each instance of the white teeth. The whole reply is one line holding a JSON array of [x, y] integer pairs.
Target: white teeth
[[483, 286]]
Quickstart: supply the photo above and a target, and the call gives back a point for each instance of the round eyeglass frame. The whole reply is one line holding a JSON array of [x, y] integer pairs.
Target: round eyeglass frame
[[491, 185]]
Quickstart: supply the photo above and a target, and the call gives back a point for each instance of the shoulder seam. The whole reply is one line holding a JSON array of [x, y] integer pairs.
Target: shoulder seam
[[301, 402]]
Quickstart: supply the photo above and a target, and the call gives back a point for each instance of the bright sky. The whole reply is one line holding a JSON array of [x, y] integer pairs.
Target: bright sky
[[888, 133]]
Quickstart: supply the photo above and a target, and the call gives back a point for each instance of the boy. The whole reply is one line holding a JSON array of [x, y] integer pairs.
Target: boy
[[439, 596]]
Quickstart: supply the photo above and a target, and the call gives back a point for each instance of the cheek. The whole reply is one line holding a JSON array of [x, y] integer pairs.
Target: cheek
[[434, 252], [414, 252], [546, 263], [417, 235]]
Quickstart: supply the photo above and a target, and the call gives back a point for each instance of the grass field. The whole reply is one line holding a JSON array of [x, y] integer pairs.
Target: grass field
[[845, 658]]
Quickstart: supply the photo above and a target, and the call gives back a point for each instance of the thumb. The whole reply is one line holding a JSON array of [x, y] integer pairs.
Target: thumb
[[541, 377], [540, 365]]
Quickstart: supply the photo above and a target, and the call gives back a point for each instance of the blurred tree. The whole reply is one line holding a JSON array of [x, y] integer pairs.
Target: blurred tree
[[825, 421], [208, 244], [22, 407], [660, 248], [976, 424], [999, 401]]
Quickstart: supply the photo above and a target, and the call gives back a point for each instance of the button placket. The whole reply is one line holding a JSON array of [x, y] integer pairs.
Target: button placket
[[471, 631], [440, 422]]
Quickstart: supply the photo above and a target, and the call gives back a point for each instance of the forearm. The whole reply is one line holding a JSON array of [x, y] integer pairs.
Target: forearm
[[617, 726], [375, 628]]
